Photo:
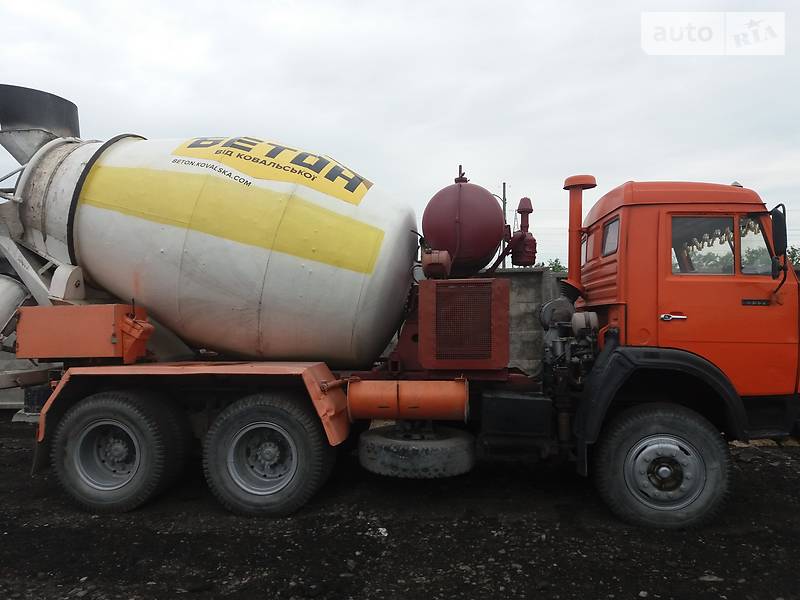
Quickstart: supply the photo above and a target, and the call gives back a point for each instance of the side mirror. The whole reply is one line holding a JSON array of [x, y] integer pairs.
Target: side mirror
[[778, 216]]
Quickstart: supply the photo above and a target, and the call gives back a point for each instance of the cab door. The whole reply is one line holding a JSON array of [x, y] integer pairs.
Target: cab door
[[716, 299]]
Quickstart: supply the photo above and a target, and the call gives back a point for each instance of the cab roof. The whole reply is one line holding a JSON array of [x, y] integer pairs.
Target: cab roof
[[632, 193]]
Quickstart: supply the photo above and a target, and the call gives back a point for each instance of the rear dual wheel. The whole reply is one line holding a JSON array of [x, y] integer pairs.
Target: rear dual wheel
[[114, 451], [266, 455]]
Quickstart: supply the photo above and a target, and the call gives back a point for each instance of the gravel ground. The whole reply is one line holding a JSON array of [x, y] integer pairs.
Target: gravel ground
[[506, 530]]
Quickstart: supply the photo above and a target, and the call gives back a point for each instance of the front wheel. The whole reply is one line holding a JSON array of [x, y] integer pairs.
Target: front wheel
[[266, 455], [663, 465]]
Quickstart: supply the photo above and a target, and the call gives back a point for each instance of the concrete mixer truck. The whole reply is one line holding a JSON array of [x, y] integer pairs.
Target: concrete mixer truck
[[238, 295]]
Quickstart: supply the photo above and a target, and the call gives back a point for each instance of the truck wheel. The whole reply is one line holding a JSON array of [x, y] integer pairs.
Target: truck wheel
[[393, 452], [109, 452], [266, 455], [663, 465]]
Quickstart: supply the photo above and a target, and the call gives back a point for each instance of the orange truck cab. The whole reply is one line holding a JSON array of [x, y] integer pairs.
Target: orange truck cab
[[692, 305], [681, 275]]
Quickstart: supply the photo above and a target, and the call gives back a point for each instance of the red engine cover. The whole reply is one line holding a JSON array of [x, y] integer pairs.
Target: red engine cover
[[467, 221]]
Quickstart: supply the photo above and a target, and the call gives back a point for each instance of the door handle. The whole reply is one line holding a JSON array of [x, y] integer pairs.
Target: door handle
[[669, 317]]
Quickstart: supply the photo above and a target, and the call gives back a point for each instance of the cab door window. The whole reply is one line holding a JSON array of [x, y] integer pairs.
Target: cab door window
[[755, 254], [702, 245]]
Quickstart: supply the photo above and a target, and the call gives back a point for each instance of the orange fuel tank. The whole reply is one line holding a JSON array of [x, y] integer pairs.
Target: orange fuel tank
[[398, 399]]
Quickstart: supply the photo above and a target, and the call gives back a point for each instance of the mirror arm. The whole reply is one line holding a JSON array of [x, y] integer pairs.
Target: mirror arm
[[785, 272]]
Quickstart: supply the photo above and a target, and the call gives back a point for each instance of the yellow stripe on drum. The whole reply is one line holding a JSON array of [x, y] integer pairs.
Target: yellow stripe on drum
[[246, 214]]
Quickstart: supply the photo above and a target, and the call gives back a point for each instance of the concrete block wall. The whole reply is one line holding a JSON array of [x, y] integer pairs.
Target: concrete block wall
[[530, 288]]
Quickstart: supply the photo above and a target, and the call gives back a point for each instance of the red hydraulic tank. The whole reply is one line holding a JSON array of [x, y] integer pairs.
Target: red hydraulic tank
[[467, 221]]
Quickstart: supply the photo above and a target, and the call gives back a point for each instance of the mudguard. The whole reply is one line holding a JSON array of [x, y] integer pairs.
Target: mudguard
[[616, 364]]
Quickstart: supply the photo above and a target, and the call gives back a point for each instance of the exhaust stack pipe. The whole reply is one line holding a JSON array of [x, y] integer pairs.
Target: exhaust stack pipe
[[572, 286], [31, 118]]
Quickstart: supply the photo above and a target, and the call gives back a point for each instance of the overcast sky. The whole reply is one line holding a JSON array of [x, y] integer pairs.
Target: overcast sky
[[522, 92]]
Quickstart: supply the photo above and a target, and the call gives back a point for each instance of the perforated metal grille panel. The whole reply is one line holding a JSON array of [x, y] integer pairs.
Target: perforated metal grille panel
[[464, 321]]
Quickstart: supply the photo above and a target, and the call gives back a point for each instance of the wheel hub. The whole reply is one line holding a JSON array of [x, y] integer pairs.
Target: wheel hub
[[108, 455], [115, 450], [262, 458], [268, 453], [664, 472]]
